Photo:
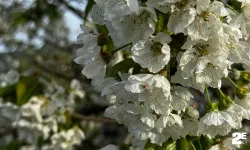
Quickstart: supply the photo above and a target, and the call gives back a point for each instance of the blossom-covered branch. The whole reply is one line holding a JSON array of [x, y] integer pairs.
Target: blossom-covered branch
[[198, 40]]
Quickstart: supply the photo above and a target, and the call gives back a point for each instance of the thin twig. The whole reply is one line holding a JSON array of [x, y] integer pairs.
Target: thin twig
[[76, 11]]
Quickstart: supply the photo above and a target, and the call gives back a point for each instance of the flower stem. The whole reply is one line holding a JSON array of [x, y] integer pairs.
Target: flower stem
[[208, 139], [233, 82], [115, 50], [199, 143], [191, 143], [208, 97], [221, 92]]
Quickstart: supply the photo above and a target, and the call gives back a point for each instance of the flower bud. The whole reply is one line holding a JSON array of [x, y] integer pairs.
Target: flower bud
[[213, 107], [241, 92], [246, 76], [237, 74], [192, 112]]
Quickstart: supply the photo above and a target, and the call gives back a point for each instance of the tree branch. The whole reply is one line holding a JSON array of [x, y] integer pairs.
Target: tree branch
[[76, 11]]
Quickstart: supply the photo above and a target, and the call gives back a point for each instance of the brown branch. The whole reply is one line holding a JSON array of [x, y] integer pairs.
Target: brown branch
[[94, 119], [76, 11]]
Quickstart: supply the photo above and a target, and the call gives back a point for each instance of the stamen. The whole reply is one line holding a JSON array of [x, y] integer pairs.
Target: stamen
[[201, 48], [205, 15], [182, 4], [143, 17], [156, 48]]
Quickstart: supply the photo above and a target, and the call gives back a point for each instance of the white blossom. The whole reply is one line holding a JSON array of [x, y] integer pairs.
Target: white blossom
[[161, 5], [134, 27], [76, 90], [207, 22], [243, 105], [32, 109], [182, 15], [153, 54], [8, 114], [90, 54], [242, 21], [190, 82], [153, 91], [181, 98], [214, 123], [11, 77], [215, 147], [206, 60], [143, 104], [240, 112], [65, 140], [110, 147], [228, 144], [190, 122], [239, 51]]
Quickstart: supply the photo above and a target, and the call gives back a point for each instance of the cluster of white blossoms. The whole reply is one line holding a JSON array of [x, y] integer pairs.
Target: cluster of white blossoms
[[11, 77], [41, 117], [201, 39]]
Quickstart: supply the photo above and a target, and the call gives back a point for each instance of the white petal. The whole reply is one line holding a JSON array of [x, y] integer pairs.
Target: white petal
[[133, 6]]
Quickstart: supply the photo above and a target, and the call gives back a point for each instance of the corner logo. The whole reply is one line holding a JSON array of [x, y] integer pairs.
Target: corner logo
[[238, 137]]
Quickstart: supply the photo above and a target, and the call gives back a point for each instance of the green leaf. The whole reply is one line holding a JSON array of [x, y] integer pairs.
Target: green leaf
[[182, 144], [235, 4], [169, 145], [161, 25], [52, 11], [245, 146], [150, 146], [200, 143], [21, 18], [88, 8], [124, 147], [7, 90], [122, 67], [26, 88], [13, 145], [210, 141]]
